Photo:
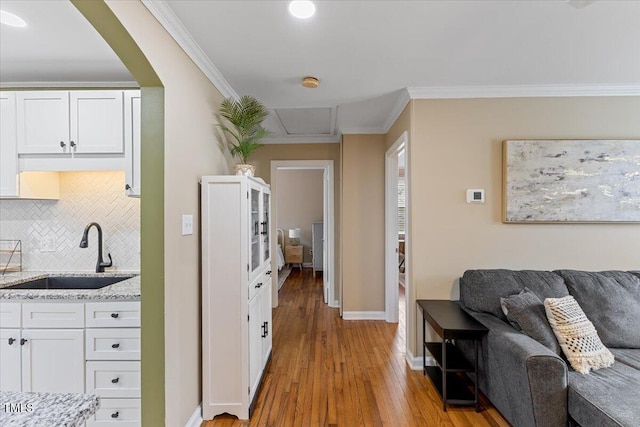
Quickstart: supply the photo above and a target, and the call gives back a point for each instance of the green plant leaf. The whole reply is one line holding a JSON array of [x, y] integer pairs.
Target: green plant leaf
[[246, 114]]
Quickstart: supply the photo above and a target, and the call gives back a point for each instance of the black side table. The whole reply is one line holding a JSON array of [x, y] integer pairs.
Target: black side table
[[451, 323]]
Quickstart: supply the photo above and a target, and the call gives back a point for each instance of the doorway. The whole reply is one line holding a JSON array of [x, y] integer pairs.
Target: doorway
[[397, 290], [328, 248]]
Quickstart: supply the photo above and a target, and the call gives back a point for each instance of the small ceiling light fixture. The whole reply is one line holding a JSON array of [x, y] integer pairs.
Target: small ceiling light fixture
[[11, 19], [302, 9], [310, 82]]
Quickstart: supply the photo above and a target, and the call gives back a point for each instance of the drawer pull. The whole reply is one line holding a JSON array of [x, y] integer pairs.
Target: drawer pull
[[115, 315], [23, 341], [269, 272], [258, 285], [115, 380], [115, 414], [11, 341], [116, 345]]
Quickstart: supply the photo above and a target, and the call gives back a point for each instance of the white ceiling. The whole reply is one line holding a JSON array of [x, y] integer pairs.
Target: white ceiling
[[365, 53]]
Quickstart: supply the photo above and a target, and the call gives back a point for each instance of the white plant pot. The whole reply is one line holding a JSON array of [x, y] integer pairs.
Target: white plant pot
[[243, 169]]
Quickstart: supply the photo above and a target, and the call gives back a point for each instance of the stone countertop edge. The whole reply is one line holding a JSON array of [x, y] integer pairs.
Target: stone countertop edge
[[127, 290], [32, 409]]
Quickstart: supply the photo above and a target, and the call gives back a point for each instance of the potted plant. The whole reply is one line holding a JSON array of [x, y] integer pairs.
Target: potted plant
[[246, 115]]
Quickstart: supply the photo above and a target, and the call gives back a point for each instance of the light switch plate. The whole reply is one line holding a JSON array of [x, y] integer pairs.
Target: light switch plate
[[475, 196], [187, 225]]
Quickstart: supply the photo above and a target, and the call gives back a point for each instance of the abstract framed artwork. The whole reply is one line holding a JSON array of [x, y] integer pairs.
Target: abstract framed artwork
[[571, 181]]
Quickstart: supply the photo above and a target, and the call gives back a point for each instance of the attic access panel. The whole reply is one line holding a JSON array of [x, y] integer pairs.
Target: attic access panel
[[305, 121]]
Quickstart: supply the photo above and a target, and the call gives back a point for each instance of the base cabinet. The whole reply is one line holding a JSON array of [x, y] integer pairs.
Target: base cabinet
[[236, 293]]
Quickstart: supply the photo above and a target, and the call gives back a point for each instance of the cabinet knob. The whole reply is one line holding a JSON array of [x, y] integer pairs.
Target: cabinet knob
[[116, 345], [115, 414], [23, 341], [127, 187], [62, 144], [11, 341], [115, 315], [269, 272], [258, 285], [115, 380], [73, 144]]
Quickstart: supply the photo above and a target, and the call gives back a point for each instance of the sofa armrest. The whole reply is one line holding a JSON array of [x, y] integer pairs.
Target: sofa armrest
[[525, 380]]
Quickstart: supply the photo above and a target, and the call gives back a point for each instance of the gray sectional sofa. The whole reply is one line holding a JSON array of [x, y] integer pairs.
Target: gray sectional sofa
[[530, 383]]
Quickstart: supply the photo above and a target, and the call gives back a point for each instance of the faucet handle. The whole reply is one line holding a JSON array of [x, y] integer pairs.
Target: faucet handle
[[107, 264]]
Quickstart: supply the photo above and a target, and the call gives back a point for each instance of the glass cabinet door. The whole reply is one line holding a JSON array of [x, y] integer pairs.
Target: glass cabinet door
[[265, 223], [254, 231]]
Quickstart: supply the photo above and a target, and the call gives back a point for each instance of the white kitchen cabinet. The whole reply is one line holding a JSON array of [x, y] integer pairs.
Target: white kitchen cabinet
[[8, 147], [70, 122], [235, 278], [10, 360], [53, 360], [132, 140], [117, 413], [267, 338]]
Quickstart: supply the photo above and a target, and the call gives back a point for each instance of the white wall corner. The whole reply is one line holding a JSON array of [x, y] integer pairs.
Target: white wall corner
[[364, 315], [196, 418], [161, 10], [415, 362], [398, 108], [521, 91]]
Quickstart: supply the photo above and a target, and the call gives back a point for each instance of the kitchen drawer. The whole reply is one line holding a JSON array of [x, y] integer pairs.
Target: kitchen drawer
[[45, 315], [113, 344], [256, 285], [10, 314], [112, 314], [117, 412], [113, 379]]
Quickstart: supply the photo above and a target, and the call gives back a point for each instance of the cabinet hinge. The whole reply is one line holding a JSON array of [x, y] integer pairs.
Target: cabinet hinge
[[247, 194], [247, 267], [247, 317]]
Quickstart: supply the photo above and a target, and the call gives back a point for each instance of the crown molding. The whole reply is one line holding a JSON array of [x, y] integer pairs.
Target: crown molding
[[66, 85], [398, 108], [363, 131], [303, 139], [522, 91], [163, 13]]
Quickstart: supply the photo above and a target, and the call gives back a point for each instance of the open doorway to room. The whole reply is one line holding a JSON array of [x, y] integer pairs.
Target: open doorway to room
[[396, 236], [303, 221]]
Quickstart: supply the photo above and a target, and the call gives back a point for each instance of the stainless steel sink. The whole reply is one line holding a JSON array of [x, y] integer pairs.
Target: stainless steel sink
[[70, 282]]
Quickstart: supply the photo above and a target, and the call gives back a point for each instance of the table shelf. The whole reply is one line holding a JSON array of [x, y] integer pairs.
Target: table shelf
[[458, 392], [456, 362]]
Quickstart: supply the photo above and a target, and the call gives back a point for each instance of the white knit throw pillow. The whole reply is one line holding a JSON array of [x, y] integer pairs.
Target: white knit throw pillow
[[577, 336]]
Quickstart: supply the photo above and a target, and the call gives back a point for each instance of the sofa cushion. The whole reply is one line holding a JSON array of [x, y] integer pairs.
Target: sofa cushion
[[481, 290], [577, 336], [606, 397], [611, 300], [628, 356], [525, 312]]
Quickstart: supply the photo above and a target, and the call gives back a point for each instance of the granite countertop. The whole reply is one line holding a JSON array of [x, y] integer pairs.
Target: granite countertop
[[127, 290], [30, 409]]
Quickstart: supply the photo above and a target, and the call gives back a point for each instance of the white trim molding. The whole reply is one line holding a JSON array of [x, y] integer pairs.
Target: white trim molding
[[521, 91], [196, 418], [363, 315], [66, 85], [415, 362], [161, 10], [398, 108], [362, 131], [303, 139]]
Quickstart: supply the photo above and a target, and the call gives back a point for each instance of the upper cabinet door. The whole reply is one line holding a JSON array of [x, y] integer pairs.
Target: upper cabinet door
[[266, 227], [97, 122], [132, 141], [254, 232], [8, 147], [43, 122]]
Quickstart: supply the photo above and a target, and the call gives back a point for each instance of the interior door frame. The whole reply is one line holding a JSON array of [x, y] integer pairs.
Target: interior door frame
[[391, 229], [328, 261]]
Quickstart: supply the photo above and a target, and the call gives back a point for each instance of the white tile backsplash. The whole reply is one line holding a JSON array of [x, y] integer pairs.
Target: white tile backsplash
[[43, 225]]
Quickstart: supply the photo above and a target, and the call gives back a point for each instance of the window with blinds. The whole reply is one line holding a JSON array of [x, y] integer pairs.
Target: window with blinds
[[401, 205]]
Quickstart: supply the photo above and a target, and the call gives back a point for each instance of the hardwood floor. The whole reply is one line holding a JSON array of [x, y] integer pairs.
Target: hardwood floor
[[328, 372]]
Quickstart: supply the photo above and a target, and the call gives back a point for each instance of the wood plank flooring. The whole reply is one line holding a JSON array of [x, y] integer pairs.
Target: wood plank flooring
[[328, 372]]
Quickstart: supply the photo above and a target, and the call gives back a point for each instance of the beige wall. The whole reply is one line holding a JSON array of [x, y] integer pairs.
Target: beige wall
[[300, 203], [262, 160], [191, 150], [363, 222], [456, 145]]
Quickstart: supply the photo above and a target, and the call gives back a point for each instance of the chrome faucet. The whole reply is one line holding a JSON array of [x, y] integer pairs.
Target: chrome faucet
[[84, 243]]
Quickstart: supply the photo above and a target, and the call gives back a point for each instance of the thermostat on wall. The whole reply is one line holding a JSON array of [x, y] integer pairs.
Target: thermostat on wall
[[475, 196]]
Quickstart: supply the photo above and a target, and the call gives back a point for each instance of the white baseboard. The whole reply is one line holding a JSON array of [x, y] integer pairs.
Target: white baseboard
[[196, 418], [334, 304], [415, 362], [364, 315]]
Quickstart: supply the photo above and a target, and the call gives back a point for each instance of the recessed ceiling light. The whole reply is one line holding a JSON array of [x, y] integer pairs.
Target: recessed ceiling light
[[302, 9], [9, 18]]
